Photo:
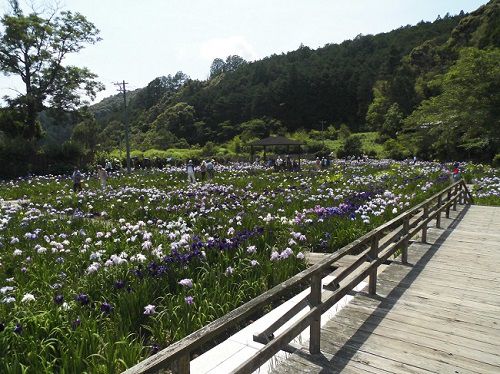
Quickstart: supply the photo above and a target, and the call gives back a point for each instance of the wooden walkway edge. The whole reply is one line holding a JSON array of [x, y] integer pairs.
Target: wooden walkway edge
[[438, 314]]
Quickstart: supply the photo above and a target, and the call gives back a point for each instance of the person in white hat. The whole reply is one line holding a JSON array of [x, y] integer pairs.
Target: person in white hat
[[190, 172]]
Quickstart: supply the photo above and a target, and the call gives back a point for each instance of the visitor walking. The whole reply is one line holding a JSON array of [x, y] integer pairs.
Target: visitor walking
[[323, 163], [203, 170], [210, 168], [108, 167], [456, 172], [76, 177], [102, 174], [190, 172]]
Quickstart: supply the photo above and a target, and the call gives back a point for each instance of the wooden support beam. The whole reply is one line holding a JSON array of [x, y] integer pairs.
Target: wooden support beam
[[268, 333], [455, 192], [182, 365], [315, 326], [424, 229], [406, 241], [372, 282], [447, 200], [438, 215]]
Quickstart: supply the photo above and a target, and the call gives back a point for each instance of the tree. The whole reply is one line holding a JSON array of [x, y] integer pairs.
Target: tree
[[220, 66], [158, 88], [217, 67], [379, 106], [352, 146], [178, 119], [34, 47], [233, 62], [86, 133], [465, 116], [393, 121]]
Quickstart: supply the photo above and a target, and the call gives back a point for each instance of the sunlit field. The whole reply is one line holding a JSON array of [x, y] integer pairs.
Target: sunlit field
[[99, 280]]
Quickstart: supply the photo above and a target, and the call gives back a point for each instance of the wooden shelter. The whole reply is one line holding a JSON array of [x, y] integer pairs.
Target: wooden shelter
[[274, 141]]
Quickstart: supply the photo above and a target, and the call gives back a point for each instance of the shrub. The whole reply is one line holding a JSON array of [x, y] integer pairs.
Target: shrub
[[496, 161], [395, 150], [316, 147], [352, 147], [15, 156]]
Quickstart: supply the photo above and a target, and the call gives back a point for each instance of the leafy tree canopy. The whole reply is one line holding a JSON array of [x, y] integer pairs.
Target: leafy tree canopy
[[220, 66], [34, 47], [464, 118]]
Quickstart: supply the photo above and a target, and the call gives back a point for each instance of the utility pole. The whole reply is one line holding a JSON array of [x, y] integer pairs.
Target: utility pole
[[322, 131], [122, 88]]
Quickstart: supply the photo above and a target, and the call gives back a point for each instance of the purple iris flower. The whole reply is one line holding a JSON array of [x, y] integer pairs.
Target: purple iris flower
[[106, 308], [58, 299], [18, 329], [77, 322], [155, 348], [83, 299], [119, 284]]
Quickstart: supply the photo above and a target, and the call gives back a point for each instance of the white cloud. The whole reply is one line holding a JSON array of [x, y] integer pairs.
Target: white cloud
[[223, 47]]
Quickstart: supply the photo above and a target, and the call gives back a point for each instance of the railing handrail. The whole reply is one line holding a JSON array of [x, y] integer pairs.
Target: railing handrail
[[182, 348]]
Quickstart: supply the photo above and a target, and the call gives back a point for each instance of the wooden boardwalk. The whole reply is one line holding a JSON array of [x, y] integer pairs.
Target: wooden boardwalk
[[439, 314]]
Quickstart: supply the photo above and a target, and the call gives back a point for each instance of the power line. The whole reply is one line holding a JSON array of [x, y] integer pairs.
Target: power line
[[122, 88]]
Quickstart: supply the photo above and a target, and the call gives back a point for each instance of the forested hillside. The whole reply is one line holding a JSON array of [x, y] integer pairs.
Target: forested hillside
[[297, 90], [377, 83]]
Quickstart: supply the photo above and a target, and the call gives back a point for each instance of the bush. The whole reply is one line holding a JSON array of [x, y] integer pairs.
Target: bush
[[496, 161], [352, 146], [156, 153], [209, 149], [395, 150], [15, 156], [316, 147]]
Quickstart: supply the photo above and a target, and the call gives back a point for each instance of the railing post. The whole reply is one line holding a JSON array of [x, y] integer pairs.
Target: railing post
[[372, 282], [447, 201], [438, 213], [315, 327], [424, 229], [462, 194], [456, 193], [406, 241], [182, 365]]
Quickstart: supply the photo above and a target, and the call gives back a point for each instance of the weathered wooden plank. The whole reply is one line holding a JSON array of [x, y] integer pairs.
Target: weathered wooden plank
[[483, 325], [361, 363], [437, 360], [434, 306], [434, 342], [443, 292], [457, 336]]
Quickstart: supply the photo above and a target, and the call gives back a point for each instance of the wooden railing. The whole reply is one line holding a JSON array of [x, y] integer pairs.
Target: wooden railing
[[371, 250]]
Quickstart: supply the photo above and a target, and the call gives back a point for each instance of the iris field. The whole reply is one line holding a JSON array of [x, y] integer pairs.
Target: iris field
[[99, 280]]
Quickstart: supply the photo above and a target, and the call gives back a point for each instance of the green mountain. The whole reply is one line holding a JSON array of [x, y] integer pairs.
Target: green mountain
[[336, 84]]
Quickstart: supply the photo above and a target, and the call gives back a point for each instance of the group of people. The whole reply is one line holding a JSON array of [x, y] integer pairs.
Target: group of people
[[322, 163], [207, 170], [283, 164], [77, 177]]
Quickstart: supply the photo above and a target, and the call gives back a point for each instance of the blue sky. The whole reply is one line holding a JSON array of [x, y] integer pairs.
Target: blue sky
[[144, 39]]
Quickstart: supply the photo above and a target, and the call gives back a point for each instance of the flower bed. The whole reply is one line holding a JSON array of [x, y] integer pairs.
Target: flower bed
[[112, 277]]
